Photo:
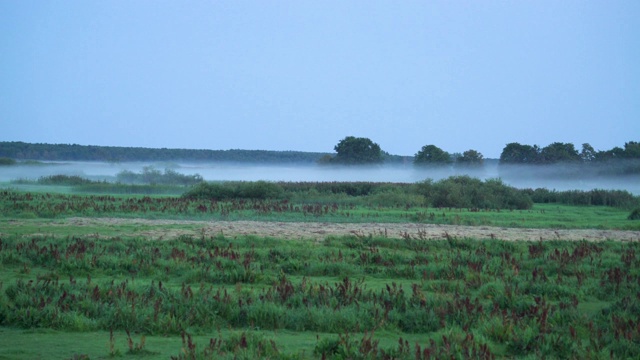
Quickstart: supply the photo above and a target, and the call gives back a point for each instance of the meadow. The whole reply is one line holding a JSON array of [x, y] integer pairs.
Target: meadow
[[101, 291]]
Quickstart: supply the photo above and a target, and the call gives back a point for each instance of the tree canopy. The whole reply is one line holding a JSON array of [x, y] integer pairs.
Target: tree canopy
[[356, 150], [557, 152], [432, 155], [515, 153], [66, 152], [470, 158]]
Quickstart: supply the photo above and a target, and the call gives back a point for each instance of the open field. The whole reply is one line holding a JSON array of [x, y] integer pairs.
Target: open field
[[172, 229], [379, 208], [106, 276], [343, 297]]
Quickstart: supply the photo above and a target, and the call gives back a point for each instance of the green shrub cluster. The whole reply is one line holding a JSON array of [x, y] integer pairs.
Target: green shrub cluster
[[4, 161], [358, 188], [468, 192], [129, 189], [235, 190], [360, 193], [58, 180], [615, 198], [150, 175], [65, 180], [453, 192]]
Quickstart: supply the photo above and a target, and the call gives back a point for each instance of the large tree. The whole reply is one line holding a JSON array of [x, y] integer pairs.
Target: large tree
[[632, 150], [432, 155], [355, 150], [588, 153], [470, 158], [515, 153], [559, 152]]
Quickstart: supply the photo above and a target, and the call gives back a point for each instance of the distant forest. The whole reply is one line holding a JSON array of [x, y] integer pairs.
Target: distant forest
[[431, 155], [64, 152], [515, 153], [18, 150]]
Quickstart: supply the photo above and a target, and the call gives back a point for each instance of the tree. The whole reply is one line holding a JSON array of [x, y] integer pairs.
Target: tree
[[432, 155], [588, 153], [559, 152], [470, 158], [632, 150], [616, 153], [352, 150], [515, 153]]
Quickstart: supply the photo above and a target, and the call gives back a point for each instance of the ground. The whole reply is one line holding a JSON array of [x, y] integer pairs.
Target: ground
[[319, 231]]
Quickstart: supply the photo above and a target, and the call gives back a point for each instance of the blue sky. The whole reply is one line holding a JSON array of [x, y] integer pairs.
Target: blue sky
[[301, 75]]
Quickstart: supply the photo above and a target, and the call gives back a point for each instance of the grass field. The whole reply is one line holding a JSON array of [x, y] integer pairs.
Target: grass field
[[106, 291], [44, 205]]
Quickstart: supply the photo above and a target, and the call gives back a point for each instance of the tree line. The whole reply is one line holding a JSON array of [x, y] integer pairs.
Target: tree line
[[557, 152], [361, 151], [64, 152], [349, 151], [352, 150]]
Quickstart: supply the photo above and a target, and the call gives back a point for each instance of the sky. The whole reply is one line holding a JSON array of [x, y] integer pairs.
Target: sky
[[302, 75]]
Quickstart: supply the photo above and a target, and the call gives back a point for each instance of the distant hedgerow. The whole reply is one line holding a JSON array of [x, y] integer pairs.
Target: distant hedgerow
[[150, 175], [468, 192], [65, 180], [231, 190], [7, 161], [616, 198]]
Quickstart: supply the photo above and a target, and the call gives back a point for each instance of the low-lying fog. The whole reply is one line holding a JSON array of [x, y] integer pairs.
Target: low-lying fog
[[520, 177]]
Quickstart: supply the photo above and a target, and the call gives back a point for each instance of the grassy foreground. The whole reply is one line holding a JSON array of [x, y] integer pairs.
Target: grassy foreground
[[29, 208], [348, 297], [66, 292]]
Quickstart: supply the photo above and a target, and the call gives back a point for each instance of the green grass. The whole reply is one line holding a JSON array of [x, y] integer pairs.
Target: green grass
[[32, 206], [64, 289], [515, 299]]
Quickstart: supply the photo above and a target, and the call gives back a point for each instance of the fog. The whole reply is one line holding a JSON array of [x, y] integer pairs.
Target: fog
[[552, 177]]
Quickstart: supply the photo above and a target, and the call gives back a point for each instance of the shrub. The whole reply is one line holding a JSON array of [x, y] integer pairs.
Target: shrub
[[7, 161], [150, 175], [635, 214], [259, 190], [615, 198], [67, 180], [468, 192], [229, 190], [207, 190]]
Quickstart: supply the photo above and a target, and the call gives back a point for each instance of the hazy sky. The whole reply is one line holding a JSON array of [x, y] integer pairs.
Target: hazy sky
[[301, 75]]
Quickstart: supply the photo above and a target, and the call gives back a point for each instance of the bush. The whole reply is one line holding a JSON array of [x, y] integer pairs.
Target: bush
[[230, 190], [635, 214], [357, 188], [149, 175], [615, 198], [259, 190], [7, 161], [119, 188], [207, 190], [468, 192], [66, 180]]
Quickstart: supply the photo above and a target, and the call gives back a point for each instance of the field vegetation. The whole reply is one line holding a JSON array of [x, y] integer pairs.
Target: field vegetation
[[148, 181], [454, 201], [349, 297], [107, 292]]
